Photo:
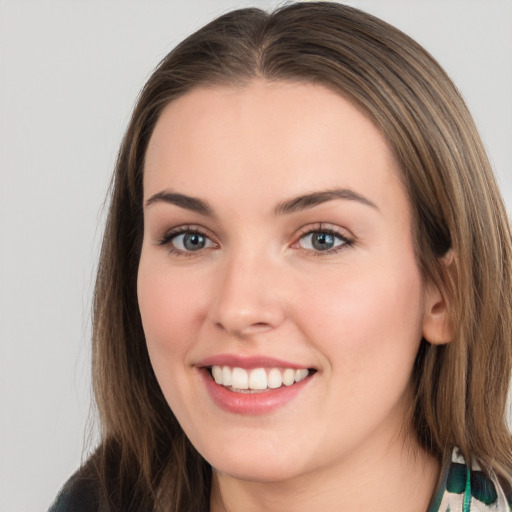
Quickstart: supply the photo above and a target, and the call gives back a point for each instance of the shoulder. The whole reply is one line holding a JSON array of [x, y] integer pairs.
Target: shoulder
[[467, 487], [79, 494]]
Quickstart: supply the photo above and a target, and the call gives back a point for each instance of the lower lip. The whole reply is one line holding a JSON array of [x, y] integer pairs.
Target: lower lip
[[262, 402]]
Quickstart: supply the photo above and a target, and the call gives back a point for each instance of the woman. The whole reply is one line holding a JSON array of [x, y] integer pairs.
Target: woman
[[303, 297]]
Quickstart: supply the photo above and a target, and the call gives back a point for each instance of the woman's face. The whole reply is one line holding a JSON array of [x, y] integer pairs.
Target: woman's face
[[278, 248]]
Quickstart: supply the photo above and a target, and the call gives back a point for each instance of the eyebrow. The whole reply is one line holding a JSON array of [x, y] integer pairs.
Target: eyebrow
[[183, 201], [296, 204], [315, 198]]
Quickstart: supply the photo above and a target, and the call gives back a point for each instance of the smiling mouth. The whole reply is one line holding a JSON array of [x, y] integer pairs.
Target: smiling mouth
[[257, 380]]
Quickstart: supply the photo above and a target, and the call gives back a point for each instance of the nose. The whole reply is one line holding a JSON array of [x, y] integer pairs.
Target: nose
[[249, 298]]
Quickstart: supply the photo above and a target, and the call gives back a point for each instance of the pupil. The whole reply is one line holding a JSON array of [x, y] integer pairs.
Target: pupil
[[323, 241], [193, 242]]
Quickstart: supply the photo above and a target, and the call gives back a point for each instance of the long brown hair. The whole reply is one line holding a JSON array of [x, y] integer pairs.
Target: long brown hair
[[462, 238]]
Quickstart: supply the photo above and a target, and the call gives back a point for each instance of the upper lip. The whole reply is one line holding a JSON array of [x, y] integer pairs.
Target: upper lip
[[248, 362]]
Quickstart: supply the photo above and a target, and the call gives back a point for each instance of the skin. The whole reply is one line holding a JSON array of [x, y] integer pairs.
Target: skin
[[259, 287]]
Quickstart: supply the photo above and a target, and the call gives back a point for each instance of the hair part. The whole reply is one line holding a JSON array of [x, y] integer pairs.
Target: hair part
[[145, 459]]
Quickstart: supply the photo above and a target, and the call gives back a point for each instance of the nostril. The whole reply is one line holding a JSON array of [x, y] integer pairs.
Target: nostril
[[258, 326]]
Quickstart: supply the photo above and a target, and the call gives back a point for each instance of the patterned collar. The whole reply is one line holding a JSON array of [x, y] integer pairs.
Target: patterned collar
[[468, 489]]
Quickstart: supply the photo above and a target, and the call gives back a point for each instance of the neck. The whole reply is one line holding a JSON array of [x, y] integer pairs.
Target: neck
[[400, 478]]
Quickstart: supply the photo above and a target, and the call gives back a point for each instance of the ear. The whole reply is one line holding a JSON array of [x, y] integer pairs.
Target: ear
[[437, 323]]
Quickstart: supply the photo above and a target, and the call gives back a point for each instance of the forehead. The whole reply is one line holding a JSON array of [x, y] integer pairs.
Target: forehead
[[269, 137]]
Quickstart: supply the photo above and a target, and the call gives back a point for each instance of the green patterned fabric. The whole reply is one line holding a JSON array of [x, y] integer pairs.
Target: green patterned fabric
[[465, 488]]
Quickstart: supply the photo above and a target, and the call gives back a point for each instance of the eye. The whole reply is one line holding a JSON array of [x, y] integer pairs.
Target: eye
[[190, 241], [324, 240], [186, 241]]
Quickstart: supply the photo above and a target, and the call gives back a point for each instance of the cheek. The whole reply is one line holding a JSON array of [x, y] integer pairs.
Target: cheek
[[169, 307], [170, 310], [367, 320]]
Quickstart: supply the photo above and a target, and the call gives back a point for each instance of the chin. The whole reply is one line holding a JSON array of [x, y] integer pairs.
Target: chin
[[256, 465], [261, 473]]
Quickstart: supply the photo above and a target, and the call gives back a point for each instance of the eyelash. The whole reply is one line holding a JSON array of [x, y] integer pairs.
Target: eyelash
[[168, 237], [328, 230]]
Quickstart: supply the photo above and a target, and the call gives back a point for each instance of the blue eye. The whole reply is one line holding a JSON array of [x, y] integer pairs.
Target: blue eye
[[190, 242], [322, 241], [185, 241]]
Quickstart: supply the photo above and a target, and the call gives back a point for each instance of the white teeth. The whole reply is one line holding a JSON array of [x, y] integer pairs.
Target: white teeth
[[240, 378], [288, 377], [257, 379], [217, 374], [274, 378], [301, 374], [226, 376]]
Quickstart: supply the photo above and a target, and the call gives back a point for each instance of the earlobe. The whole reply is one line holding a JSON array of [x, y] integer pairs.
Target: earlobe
[[437, 323]]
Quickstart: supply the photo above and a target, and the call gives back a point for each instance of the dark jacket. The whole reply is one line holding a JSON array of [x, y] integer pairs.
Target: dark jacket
[[79, 494]]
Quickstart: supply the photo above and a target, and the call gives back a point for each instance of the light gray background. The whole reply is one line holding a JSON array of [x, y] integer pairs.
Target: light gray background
[[70, 71]]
